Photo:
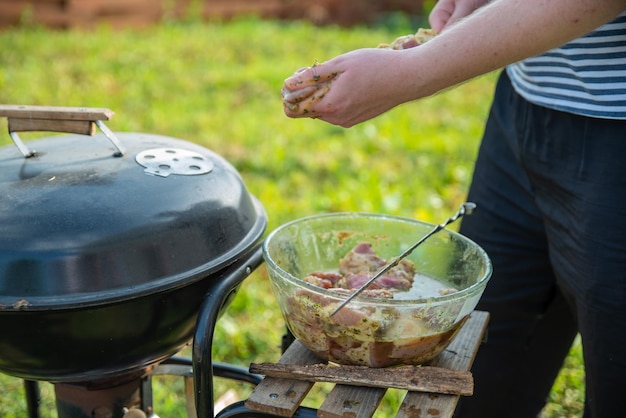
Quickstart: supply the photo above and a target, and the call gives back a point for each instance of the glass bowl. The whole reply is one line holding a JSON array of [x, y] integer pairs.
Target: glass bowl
[[411, 328]]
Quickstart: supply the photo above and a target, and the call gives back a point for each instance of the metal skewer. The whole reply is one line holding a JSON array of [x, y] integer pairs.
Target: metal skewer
[[466, 209]]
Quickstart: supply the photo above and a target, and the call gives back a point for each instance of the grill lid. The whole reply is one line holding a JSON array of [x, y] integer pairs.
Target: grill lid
[[81, 224]]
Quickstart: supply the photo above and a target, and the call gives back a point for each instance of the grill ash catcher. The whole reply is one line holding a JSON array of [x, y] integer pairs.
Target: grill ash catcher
[[116, 251]]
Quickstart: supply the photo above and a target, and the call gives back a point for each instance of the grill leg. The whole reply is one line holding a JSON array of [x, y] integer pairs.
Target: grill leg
[[205, 327], [33, 398]]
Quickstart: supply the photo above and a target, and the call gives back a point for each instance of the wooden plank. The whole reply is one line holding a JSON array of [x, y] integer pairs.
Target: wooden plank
[[351, 401], [414, 378], [283, 396], [459, 355], [55, 112]]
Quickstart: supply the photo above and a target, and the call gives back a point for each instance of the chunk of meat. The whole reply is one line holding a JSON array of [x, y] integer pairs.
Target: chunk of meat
[[361, 258], [389, 280], [323, 279], [360, 265]]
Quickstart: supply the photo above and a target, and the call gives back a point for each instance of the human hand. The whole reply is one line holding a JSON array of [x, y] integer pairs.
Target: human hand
[[349, 89], [447, 12]]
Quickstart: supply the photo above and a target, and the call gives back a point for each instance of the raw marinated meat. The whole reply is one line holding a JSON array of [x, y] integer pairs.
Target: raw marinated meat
[[360, 265], [372, 335]]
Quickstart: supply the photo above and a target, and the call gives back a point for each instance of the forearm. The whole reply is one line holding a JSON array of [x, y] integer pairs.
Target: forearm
[[362, 84], [498, 34]]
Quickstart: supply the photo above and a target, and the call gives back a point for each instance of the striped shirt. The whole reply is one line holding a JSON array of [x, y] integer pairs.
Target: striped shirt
[[586, 76]]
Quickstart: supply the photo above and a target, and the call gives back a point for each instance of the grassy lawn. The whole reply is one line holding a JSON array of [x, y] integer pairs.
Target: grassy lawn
[[218, 85]]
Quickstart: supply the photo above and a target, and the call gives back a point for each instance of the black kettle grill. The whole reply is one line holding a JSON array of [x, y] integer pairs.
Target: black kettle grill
[[116, 250]]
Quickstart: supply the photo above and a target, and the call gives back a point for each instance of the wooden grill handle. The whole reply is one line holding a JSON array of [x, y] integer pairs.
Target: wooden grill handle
[[77, 120]]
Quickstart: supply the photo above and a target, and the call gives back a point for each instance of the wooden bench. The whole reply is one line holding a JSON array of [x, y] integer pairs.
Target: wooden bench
[[432, 393]]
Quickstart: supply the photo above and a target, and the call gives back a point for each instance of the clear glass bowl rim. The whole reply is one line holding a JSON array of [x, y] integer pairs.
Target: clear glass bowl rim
[[462, 294]]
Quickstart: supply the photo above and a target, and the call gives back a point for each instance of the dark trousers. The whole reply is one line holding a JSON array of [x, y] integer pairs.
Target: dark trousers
[[550, 189]]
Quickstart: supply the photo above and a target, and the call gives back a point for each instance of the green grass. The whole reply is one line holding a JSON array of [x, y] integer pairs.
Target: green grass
[[218, 84]]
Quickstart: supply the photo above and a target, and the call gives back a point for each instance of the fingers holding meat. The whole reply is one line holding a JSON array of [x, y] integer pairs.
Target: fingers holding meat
[[302, 102], [307, 77], [297, 96], [304, 89]]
